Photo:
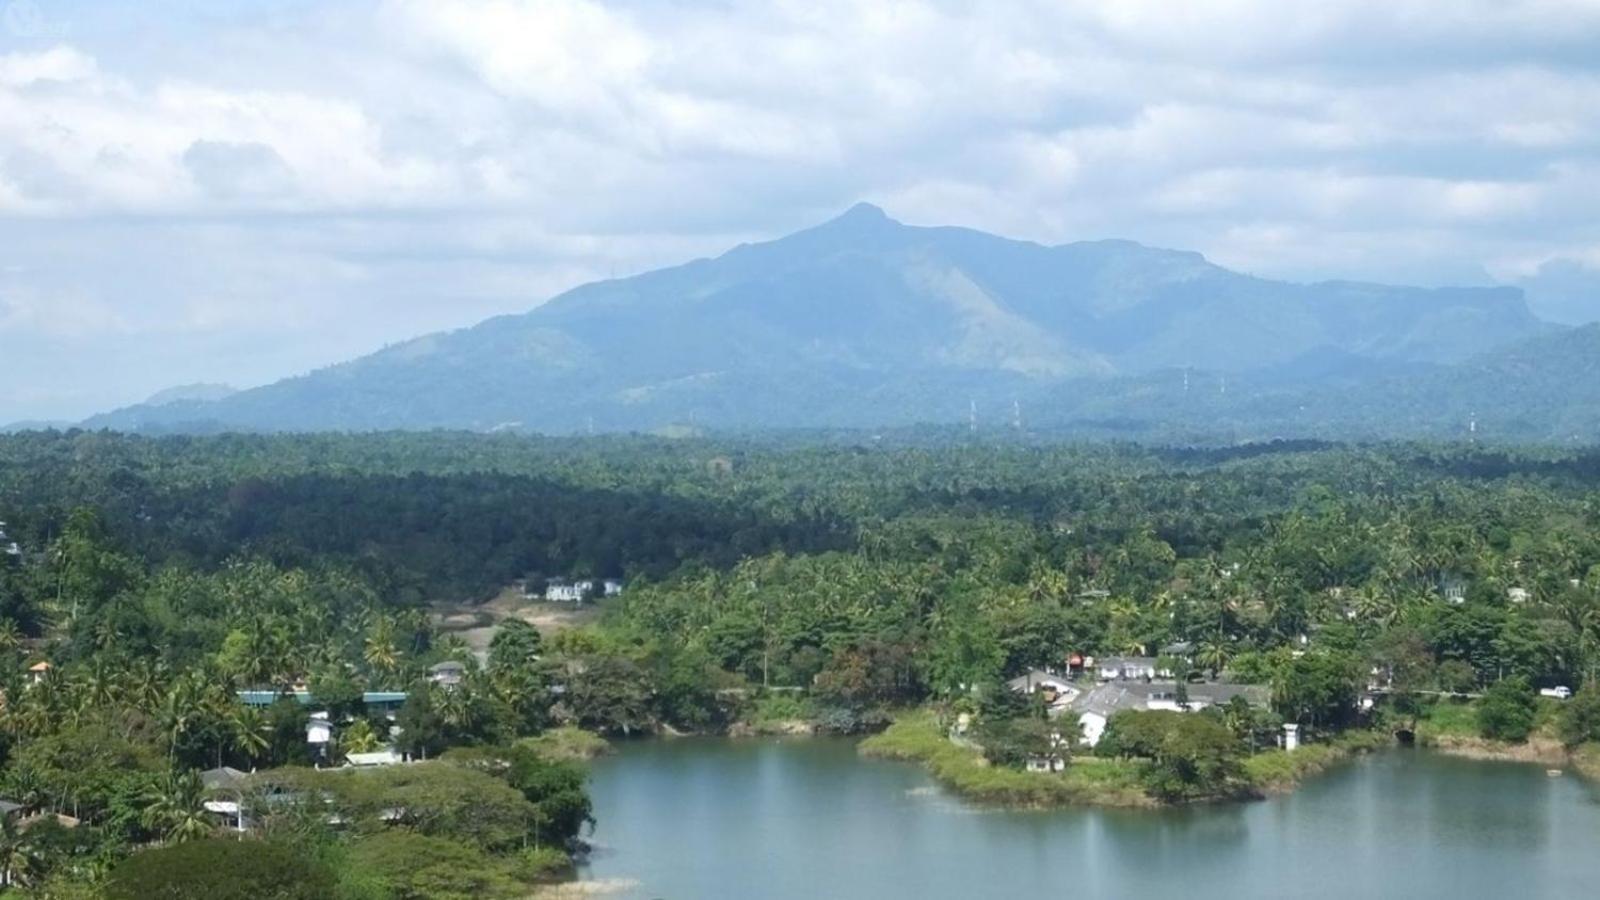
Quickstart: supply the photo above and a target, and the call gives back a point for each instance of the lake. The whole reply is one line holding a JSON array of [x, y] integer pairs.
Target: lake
[[808, 818]]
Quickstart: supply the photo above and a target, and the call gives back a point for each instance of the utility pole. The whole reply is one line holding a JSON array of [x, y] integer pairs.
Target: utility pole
[[972, 416], [1016, 415]]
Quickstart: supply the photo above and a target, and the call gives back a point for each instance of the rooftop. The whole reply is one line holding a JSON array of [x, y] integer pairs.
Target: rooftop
[[1115, 696]]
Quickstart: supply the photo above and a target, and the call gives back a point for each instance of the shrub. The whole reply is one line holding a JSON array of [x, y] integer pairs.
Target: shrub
[[221, 869], [1507, 710], [1580, 716], [417, 867]]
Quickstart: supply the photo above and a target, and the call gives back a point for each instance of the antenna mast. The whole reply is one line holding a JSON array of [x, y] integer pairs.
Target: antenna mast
[[972, 416]]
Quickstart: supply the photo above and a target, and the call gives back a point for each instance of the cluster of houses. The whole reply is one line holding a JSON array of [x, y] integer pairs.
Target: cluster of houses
[[1091, 691], [320, 724], [562, 590], [379, 704]]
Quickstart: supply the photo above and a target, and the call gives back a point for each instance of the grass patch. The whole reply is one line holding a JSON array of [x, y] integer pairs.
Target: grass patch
[[1281, 770], [918, 737], [568, 744], [1448, 718]]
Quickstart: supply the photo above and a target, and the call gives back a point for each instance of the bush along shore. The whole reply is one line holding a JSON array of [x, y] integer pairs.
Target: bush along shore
[[1145, 760], [1510, 723]]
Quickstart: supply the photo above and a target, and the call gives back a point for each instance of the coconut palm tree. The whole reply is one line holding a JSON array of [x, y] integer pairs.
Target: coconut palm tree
[[20, 859], [359, 738], [174, 808], [1213, 654], [249, 731]]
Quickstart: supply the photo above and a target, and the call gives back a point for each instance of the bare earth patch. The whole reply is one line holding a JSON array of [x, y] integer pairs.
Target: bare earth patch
[[477, 623]]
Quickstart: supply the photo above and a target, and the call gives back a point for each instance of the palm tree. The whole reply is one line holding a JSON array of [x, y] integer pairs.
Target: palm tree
[[174, 808], [380, 652], [249, 729], [20, 859], [359, 738], [10, 635], [1213, 654]]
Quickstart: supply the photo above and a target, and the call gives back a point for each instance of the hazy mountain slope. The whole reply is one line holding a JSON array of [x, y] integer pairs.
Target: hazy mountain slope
[[865, 321]]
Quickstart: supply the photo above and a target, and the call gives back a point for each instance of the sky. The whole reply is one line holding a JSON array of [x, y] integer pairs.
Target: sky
[[208, 191]]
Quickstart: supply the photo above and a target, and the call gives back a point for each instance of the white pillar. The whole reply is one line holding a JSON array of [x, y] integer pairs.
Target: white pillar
[[1291, 736]]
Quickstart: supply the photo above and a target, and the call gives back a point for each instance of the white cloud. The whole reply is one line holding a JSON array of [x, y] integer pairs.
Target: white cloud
[[381, 167]]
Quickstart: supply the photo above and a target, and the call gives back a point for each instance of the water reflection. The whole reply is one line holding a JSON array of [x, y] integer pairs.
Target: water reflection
[[710, 819]]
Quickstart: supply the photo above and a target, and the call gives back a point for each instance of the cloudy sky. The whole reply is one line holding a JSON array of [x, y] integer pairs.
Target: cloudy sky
[[197, 190]]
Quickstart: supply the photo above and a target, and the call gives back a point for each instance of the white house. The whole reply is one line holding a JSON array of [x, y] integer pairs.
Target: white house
[[1039, 680], [1042, 763], [1130, 668], [1517, 595], [1096, 707], [224, 788], [448, 673], [385, 757], [560, 590], [319, 730]]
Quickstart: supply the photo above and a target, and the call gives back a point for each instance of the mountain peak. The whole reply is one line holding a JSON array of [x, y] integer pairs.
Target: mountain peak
[[863, 213]]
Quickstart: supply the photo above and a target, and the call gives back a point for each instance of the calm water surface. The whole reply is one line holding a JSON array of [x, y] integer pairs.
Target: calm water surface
[[807, 818]]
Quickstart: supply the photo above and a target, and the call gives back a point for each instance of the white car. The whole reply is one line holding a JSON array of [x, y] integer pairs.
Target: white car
[[1560, 693]]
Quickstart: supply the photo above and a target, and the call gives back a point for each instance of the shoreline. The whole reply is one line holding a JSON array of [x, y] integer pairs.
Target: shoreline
[[1584, 759], [1090, 781]]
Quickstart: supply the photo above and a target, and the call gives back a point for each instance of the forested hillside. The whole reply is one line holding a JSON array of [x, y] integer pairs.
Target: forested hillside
[[829, 577]]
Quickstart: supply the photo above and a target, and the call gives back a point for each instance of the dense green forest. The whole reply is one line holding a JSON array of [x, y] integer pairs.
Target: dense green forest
[[826, 576]]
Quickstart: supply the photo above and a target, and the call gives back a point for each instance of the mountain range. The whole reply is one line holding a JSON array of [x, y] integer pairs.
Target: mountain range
[[867, 322]]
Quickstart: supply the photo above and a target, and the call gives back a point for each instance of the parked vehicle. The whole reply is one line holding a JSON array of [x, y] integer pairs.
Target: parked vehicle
[[1560, 693]]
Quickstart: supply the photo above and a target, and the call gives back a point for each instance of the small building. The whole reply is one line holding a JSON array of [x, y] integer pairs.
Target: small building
[[319, 731], [224, 795], [1057, 691], [1131, 668], [1517, 595], [10, 810], [611, 587], [385, 757], [448, 673], [1040, 762], [38, 672], [560, 590], [1037, 680], [381, 702], [1096, 707], [1183, 650]]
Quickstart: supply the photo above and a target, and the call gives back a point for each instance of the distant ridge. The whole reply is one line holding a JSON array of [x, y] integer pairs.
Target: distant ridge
[[865, 321]]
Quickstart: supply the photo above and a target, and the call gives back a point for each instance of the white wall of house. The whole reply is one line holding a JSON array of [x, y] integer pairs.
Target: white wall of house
[[1094, 726], [319, 730]]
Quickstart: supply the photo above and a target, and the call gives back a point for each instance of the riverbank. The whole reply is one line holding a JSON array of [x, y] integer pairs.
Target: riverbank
[[917, 737], [1281, 771], [1452, 729], [1090, 780]]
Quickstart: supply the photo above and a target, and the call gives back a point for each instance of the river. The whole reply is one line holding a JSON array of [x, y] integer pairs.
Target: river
[[807, 818]]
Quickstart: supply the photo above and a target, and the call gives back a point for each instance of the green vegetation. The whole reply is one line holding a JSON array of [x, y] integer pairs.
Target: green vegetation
[[829, 578], [1507, 709], [1272, 771], [221, 869], [568, 743], [919, 737]]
